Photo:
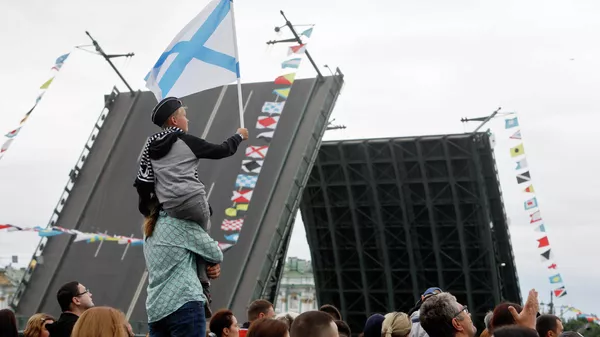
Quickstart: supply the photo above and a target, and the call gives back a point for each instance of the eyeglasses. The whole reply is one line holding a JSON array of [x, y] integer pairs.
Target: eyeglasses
[[87, 291], [465, 309]]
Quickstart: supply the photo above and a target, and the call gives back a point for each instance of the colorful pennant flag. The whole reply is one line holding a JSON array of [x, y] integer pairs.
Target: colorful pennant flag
[[283, 93], [59, 62], [521, 164], [555, 279], [300, 49], [267, 122], [259, 152], [273, 107], [252, 166], [242, 196], [540, 228], [232, 211], [531, 203], [267, 136], [560, 292], [529, 189], [516, 135], [232, 237], [225, 246], [244, 180], [547, 255], [517, 151], [46, 84], [307, 32], [232, 225], [535, 217], [543, 242], [511, 123], [291, 63], [13, 133], [552, 266], [523, 177], [287, 79]]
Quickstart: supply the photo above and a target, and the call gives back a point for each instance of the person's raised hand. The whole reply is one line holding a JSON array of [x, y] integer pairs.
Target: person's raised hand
[[213, 272], [528, 315], [243, 132]]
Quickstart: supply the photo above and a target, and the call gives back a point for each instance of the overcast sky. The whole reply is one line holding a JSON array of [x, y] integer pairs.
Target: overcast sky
[[412, 68]]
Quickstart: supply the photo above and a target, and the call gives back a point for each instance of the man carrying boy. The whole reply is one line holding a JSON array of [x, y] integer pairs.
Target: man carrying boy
[[168, 173]]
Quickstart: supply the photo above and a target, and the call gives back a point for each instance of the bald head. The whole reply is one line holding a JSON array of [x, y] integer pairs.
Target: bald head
[[314, 324]]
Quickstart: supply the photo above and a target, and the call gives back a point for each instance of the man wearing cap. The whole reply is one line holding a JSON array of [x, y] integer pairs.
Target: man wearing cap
[[416, 330], [168, 172]]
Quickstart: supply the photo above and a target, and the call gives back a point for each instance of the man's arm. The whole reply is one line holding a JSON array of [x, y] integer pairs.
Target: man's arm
[[204, 149], [202, 244]]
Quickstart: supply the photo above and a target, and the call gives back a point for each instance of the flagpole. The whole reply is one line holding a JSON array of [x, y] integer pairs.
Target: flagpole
[[239, 82]]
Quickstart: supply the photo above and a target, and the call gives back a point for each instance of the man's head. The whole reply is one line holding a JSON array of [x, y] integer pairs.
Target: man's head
[[343, 329], [314, 324], [443, 316], [260, 309], [549, 326], [170, 113], [74, 297], [333, 311], [430, 292]]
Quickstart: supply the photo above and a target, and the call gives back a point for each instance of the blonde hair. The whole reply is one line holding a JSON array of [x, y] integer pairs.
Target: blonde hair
[[396, 324], [101, 322], [35, 324]]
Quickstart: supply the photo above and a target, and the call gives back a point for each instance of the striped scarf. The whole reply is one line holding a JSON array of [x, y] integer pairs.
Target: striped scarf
[[145, 172]]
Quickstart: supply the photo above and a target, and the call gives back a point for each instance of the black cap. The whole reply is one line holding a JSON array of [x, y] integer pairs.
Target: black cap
[[164, 109]]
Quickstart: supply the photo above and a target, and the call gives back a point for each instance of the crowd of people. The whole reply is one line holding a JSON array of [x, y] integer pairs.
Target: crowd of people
[[436, 314]]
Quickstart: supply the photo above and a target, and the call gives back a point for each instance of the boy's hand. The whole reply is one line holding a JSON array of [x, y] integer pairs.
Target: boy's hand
[[243, 132]]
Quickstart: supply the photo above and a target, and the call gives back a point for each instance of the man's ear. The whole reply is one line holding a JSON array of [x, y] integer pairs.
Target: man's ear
[[456, 325]]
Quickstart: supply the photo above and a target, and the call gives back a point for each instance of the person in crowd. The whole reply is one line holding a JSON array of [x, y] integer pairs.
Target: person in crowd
[[287, 318], [343, 329], [8, 323], [74, 299], [175, 299], [332, 310], [223, 324], [373, 326], [36, 325], [487, 320], [396, 324], [314, 324], [501, 316], [442, 316], [416, 330], [168, 173], [515, 331], [267, 327], [257, 310], [549, 326], [102, 322]]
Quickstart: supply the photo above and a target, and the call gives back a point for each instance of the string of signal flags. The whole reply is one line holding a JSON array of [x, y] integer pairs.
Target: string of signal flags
[[531, 205]]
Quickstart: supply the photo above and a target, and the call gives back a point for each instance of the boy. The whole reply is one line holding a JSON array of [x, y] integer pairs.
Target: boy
[[168, 173]]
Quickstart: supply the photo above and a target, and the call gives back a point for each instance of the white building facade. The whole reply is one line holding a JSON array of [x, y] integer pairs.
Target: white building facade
[[297, 288]]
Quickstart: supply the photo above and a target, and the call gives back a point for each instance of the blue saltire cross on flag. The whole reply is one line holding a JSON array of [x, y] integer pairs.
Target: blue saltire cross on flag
[[202, 56]]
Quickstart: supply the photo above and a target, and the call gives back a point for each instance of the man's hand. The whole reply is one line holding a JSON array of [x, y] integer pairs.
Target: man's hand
[[527, 317], [213, 272], [243, 132]]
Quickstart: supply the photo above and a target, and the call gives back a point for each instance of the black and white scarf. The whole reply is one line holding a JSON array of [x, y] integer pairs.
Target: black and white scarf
[[145, 172]]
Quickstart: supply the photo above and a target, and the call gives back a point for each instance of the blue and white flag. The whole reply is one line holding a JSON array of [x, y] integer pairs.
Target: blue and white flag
[[202, 56]]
